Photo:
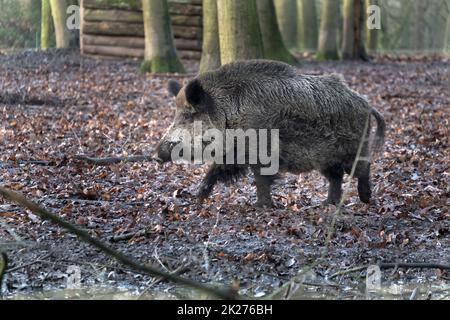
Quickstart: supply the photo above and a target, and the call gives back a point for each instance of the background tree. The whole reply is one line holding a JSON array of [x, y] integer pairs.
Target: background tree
[[307, 30], [286, 11], [419, 24], [353, 35], [29, 7], [210, 48], [239, 33], [446, 44], [45, 24], [396, 25], [372, 34], [160, 53], [436, 23], [273, 45], [58, 8], [328, 49]]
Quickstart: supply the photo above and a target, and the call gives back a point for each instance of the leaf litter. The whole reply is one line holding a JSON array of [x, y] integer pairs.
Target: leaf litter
[[57, 105]]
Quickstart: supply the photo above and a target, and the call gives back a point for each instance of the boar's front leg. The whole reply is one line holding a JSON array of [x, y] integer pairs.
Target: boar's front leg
[[263, 187], [208, 182], [335, 175], [219, 172]]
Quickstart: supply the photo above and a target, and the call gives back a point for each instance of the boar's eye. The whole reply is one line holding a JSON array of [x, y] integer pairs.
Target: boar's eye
[[188, 116]]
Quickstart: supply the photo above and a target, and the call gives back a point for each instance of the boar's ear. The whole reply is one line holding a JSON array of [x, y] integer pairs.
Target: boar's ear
[[197, 96], [174, 87]]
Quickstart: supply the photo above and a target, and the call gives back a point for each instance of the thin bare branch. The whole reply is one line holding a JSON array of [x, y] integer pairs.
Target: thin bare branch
[[124, 259], [112, 160]]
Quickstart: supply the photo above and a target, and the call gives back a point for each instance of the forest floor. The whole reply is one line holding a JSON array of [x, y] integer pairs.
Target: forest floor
[[57, 105]]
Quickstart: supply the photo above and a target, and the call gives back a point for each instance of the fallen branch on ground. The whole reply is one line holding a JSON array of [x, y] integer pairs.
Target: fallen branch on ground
[[124, 259], [81, 158], [388, 265], [416, 265], [27, 264], [180, 270], [347, 271], [112, 160], [130, 235]]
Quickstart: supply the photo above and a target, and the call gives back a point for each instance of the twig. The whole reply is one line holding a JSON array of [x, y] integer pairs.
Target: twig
[[95, 202], [27, 264], [314, 284], [414, 294], [155, 254], [131, 235], [205, 250], [126, 260], [310, 207], [388, 265], [347, 271], [178, 271], [10, 231], [38, 162], [112, 160], [418, 265]]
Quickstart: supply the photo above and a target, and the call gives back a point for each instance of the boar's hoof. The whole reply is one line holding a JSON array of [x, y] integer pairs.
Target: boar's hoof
[[266, 203], [203, 193], [364, 198], [334, 202], [201, 199], [364, 193]]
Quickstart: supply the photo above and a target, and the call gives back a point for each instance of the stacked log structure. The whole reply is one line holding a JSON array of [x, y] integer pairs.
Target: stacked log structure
[[115, 28]]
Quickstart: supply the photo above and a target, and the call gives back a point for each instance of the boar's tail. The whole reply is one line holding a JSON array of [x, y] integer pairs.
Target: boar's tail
[[381, 129]]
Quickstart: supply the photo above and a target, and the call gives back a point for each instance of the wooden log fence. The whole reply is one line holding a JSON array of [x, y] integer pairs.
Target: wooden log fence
[[115, 29]]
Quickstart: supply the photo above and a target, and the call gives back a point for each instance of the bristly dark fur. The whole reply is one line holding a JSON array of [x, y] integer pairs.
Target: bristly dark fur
[[321, 121], [229, 174]]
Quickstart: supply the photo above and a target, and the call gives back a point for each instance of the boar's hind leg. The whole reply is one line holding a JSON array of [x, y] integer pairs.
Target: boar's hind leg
[[363, 174], [263, 186], [334, 174]]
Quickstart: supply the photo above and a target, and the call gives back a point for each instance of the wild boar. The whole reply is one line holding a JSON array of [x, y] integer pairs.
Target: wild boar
[[319, 122]]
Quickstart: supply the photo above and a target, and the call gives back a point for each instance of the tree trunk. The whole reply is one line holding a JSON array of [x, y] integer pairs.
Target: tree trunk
[[436, 33], [27, 7], [372, 34], [211, 49], [447, 36], [328, 49], [287, 21], [58, 8], [420, 9], [160, 53], [307, 27], [239, 33], [45, 24], [353, 43], [273, 45]]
